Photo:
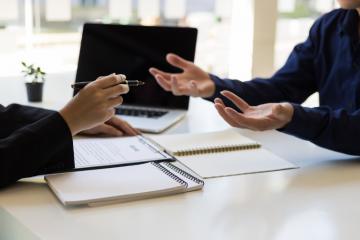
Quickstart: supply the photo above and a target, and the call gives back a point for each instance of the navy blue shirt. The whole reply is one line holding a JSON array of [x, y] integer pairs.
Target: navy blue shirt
[[328, 62]]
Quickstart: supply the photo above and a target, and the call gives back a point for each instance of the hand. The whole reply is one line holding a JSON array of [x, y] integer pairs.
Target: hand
[[94, 104], [193, 81], [114, 127], [260, 118]]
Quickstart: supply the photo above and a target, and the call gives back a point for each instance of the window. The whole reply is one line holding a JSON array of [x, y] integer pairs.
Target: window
[[48, 32]]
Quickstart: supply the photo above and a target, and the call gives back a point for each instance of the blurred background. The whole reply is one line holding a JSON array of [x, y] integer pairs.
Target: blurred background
[[237, 38]]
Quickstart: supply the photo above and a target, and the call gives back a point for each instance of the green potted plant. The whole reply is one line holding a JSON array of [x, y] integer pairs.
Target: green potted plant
[[35, 79]]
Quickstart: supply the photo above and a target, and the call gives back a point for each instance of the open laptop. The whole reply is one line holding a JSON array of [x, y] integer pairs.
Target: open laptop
[[132, 50]]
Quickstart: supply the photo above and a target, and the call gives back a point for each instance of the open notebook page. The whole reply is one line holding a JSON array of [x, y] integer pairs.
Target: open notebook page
[[235, 163], [176, 143]]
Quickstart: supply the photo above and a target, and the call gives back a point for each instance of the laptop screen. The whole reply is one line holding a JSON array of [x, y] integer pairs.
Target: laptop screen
[[132, 50]]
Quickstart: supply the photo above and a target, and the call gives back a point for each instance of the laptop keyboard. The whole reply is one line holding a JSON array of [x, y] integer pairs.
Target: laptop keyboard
[[146, 113]]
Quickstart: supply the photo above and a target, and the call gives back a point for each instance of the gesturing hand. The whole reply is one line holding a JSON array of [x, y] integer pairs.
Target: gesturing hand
[[262, 117], [193, 81]]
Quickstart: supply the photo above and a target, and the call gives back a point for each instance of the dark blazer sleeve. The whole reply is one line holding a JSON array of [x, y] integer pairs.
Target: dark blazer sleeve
[[16, 116], [33, 142], [294, 82]]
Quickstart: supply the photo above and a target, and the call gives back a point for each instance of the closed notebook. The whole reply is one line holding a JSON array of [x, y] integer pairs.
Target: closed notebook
[[121, 184], [222, 153]]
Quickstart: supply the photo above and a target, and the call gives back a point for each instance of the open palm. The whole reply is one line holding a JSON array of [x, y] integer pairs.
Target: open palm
[[192, 81], [262, 117]]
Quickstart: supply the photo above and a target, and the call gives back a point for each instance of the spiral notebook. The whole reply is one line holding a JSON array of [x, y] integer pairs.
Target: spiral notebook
[[122, 184], [222, 153]]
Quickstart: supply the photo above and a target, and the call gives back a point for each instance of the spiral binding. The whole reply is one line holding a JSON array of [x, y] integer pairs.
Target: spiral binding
[[170, 174], [229, 148], [183, 173]]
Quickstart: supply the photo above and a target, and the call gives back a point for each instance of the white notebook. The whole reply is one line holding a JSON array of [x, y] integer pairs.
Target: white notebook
[[222, 153], [191, 144], [121, 184]]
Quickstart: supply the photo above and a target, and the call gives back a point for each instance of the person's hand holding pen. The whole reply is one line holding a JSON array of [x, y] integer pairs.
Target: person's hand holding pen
[[92, 110]]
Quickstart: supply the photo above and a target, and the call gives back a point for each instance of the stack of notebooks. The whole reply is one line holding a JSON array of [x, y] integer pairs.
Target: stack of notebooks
[[122, 184], [202, 155]]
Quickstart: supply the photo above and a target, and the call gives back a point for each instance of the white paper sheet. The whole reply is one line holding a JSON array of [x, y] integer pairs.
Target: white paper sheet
[[109, 151], [58, 10], [175, 9], [235, 163], [120, 9], [148, 8], [9, 10]]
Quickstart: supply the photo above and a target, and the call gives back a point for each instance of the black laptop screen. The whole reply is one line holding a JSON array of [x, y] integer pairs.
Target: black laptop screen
[[132, 50]]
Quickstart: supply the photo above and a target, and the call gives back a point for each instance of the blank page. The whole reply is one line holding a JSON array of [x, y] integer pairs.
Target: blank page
[[121, 183], [234, 163], [186, 142]]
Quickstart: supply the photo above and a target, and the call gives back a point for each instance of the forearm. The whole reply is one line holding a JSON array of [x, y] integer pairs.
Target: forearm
[[16, 116], [335, 130], [40, 147], [259, 91]]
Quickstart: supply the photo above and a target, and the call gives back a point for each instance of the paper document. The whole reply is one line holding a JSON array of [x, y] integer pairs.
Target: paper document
[[235, 163], [109, 151]]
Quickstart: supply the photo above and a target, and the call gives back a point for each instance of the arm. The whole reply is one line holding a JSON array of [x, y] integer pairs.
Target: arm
[[40, 147], [16, 116], [337, 130], [45, 145], [333, 129], [294, 82]]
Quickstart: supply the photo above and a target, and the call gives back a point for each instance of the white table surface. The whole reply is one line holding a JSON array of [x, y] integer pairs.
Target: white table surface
[[320, 200]]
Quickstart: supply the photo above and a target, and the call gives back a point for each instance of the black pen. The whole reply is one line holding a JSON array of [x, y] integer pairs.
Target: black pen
[[130, 83]]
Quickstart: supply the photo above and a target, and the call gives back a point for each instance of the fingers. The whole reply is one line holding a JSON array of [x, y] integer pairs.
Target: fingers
[[247, 122], [177, 61], [165, 84], [116, 90], [155, 71], [124, 126], [220, 107], [239, 102], [114, 102], [177, 89], [108, 81], [121, 77], [239, 118]]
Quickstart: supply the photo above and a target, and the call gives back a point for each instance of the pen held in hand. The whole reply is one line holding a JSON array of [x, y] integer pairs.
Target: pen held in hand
[[130, 83]]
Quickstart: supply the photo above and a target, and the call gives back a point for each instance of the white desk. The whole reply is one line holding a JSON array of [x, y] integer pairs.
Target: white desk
[[318, 201]]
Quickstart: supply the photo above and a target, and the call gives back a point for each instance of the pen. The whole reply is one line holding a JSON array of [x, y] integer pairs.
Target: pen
[[131, 83]]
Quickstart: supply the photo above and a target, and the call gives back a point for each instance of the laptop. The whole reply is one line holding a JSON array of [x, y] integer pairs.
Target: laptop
[[132, 50]]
